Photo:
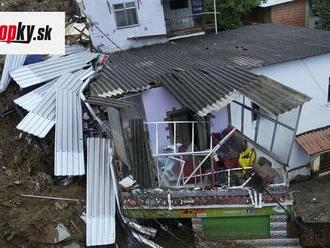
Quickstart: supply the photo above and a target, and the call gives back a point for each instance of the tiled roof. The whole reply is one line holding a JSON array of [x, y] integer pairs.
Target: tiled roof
[[316, 141]]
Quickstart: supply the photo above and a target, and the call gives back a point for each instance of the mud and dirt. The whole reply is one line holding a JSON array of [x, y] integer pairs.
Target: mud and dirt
[[26, 167]]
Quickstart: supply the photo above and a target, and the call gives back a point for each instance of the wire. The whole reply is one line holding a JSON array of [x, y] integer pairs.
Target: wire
[[293, 218], [160, 224], [141, 208]]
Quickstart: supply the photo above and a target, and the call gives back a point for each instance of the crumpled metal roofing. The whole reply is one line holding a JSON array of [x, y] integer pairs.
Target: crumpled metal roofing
[[42, 118], [69, 150], [246, 47], [316, 141], [30, 100], [100, 209], [12, 62], [109, 102], [50, 69], [205, 91]]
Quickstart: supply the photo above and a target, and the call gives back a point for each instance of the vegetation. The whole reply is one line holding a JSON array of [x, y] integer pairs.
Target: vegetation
[[321, 8], [232, 12]]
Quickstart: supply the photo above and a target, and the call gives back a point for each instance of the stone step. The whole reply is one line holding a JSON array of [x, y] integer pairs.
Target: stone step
[[278, 226], [271, 242], [278, 234], [278, 218]]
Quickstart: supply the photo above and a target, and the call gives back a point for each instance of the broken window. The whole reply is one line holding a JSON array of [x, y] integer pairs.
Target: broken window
[[178, 4], [125, 14]]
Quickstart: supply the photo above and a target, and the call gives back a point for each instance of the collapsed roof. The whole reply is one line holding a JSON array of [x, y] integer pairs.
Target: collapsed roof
[[220, 61]]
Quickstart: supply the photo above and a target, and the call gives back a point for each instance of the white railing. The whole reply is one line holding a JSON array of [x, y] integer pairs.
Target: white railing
[[175, 124]]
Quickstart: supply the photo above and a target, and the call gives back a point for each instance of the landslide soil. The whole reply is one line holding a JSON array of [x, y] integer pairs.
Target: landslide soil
[[25, 163]]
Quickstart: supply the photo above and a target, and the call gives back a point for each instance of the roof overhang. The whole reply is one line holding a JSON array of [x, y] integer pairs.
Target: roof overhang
[[316, 141], [269, 3]]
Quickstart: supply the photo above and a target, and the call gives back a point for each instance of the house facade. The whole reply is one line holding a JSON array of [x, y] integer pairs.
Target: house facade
[[288, 12], [124, 24]]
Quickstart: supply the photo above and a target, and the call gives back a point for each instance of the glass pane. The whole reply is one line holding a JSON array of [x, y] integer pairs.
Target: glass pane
[[121, 18], [130, 5], [131, 16], [118, 6]]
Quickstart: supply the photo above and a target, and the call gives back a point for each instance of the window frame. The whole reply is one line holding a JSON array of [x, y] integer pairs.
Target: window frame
[[124, 9]]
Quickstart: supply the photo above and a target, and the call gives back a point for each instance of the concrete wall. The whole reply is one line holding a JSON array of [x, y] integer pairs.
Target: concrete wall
[[151, 22], [220, 120], [157, 102]]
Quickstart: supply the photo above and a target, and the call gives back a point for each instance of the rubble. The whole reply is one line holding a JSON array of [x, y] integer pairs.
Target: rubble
[[56, 233]]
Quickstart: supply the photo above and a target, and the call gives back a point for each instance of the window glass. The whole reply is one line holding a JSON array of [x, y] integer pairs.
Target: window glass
[[125, 14], [130, 5], [121, 18], [118, 6], [131, 17]]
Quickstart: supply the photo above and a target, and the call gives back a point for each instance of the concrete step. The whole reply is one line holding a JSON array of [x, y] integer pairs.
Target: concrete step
[[278, 218], [278, 226], [278, 234], [271, 242]]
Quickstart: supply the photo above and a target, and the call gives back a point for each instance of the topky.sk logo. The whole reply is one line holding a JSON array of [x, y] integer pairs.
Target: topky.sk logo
[[32, 32]]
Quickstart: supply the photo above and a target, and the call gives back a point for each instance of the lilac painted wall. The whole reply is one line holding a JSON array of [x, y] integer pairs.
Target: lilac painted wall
[[157, 102], [220, 122]]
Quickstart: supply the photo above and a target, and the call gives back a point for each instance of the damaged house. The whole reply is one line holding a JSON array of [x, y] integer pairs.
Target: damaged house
[[206, 128], [203, 111]]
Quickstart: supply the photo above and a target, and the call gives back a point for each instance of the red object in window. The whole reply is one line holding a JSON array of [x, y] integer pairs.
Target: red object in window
[[230, 163]]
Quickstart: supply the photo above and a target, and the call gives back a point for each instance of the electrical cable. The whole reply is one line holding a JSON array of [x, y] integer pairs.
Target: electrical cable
[[293, 218], [141, 208]]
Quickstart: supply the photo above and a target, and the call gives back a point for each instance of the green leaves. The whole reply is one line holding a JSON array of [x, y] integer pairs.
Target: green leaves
[[232, 12], [321, 8]]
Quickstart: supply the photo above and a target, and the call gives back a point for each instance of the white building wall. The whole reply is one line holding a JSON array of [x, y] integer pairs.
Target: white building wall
[[151, 22], [311, 77], [157, 102], [220, 120]]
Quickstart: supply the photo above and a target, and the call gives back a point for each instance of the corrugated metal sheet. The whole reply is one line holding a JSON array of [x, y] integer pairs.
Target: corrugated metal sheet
[[100, 210], [109, 102], [42, 118], [70, 49], [142, 164], [204, 91], [12, 62], [248, 47], [316, 141], [118, 136], [69, 150], [30, 100], [50, 69]]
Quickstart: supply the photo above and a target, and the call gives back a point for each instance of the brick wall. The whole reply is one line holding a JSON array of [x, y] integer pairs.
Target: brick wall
[[292, 13]]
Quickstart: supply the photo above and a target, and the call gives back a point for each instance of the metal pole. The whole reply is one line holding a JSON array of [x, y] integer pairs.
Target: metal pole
[[215, 16], [294, 135], [274, 133], [242, 116], [216, 148]]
